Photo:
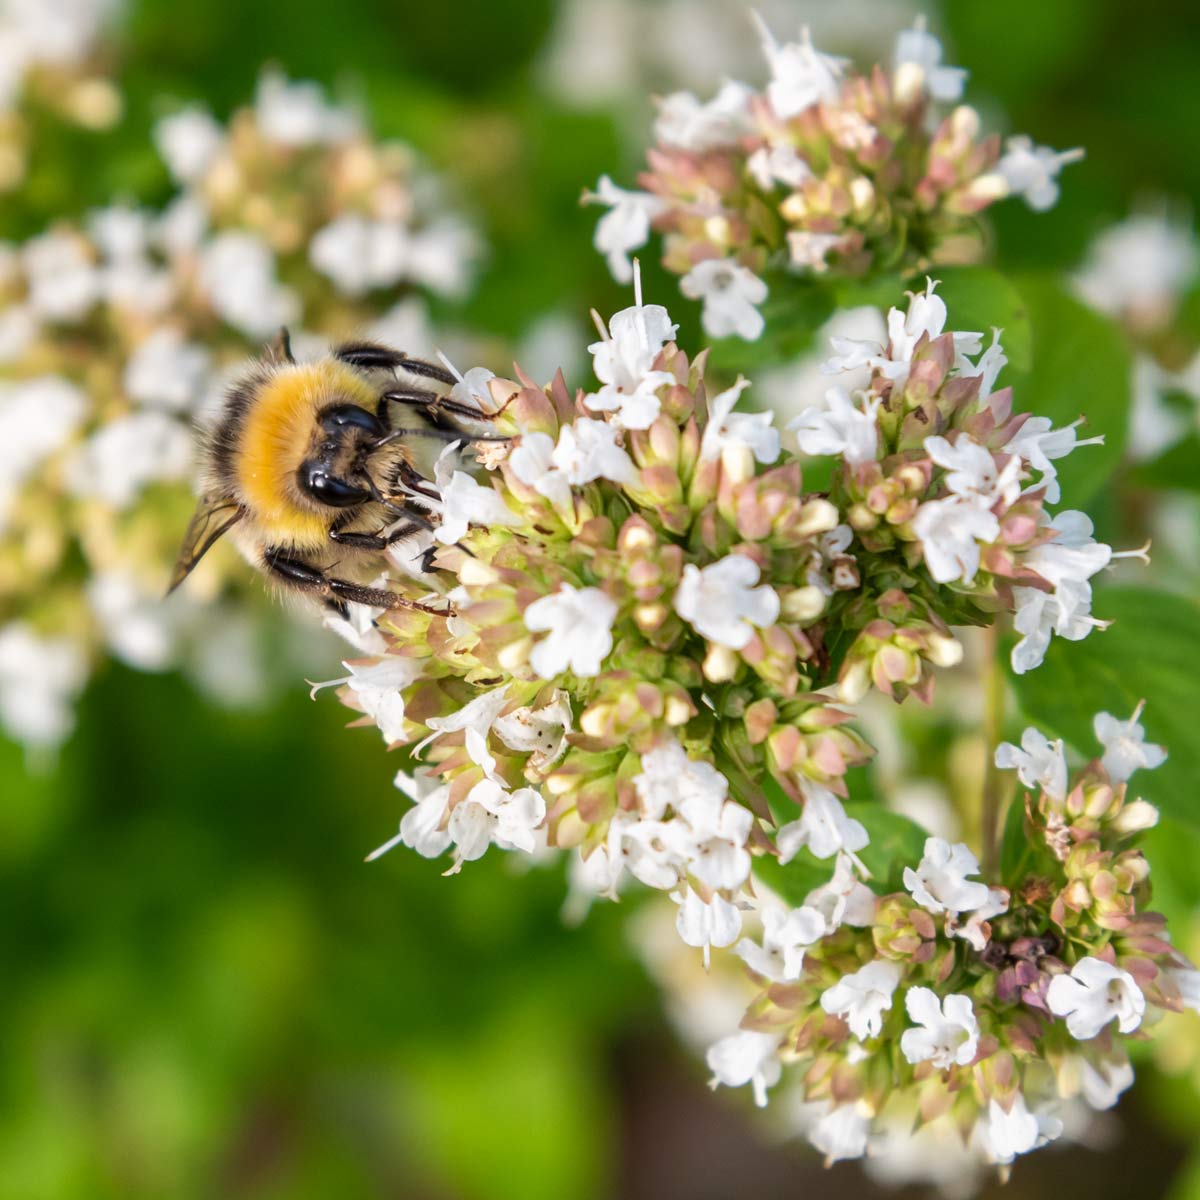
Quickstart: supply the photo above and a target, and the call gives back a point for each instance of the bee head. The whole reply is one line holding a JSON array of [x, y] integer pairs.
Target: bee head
[[333, 473]]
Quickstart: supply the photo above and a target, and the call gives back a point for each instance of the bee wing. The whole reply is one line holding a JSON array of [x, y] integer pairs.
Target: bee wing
[[213, 517]]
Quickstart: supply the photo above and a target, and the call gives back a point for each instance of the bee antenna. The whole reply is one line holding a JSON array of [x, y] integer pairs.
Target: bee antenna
[[281, 348]]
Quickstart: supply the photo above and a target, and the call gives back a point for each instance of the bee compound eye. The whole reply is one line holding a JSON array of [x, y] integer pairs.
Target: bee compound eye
[[350, 416], [316, 481]]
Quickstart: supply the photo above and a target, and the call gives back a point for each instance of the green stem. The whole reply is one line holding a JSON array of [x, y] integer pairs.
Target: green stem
[[993, 726]]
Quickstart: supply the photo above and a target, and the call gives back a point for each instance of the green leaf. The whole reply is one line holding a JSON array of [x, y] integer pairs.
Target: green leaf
[[1081, 367], [1151, 652], [978, 298], [1176, 469]]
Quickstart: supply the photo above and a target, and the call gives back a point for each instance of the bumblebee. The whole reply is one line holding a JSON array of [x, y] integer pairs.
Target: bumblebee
[[316, 468]]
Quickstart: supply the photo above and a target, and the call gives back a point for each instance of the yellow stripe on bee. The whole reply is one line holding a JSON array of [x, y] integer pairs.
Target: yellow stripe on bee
[[277, 432]]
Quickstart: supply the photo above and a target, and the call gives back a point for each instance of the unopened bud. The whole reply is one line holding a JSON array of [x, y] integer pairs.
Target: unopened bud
[[908, 82], [515, 654], [474, 572], [943, 650], [1135, 817], [855, 682], [720, 664], [802, 604]]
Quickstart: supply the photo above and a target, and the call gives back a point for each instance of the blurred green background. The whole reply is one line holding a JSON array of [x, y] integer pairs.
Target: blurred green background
[[203, 992]]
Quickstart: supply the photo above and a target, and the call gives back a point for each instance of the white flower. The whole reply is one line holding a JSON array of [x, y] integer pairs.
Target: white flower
[[730, 293], [377, 686], [801, 75], [466, 502], [237, 273], [1039, 762], [778, 162], [1032, 171], [62, 281], [705, 924], [180, 229], [684, 123], [165, 371], [626, 225], [490, 814], [478, 715], [1125, 747], [1092, 995], [787, 934], [823, 827], [37, 417], [138, 628], [623, 361], [842, 1132], [845, 899], [809, 251], [540, 732], [746, 1057], [1103, 1081], [39, 680], [918, 63], [669, 778], [119, 232], [1140, 267], [946, 1032], [716, 852], [861, 999], [421, 827], [972, 929], [188, 141], [722, 603], [129, 453], [655, 852], [1038, 443], [940, 884], [136, 284], [18, 328], [926, 317], [986, 368], [729, 435], [950, 532], [532, 462], [840, 427], [587, 450], [440, 256], [972, 471], [296, 114], [1066, 563], [1005, 1134], [358, 254], [579, 623]]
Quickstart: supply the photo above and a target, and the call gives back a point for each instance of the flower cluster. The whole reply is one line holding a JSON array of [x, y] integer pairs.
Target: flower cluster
[[937, 470], [960, 1010], [52, 57], [1139, 271], [118, 335], [651, 627], [825, 172]]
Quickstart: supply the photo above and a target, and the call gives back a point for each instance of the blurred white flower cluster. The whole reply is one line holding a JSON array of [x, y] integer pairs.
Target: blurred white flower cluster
[[117, 335], [51, 55]]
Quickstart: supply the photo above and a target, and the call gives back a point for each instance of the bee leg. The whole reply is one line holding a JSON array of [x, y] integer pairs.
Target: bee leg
[[369, 356], [304, 577], [434, 403], [373, 541]]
